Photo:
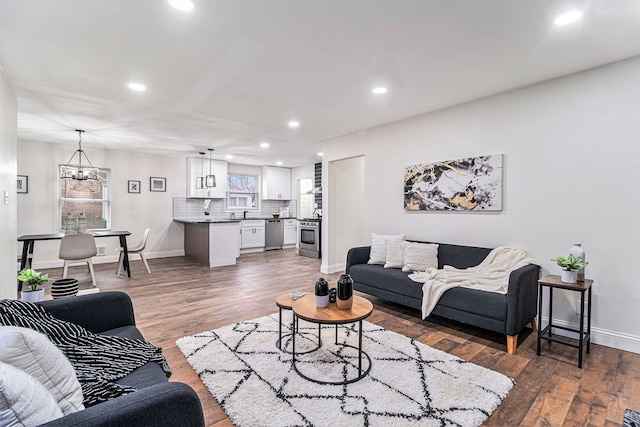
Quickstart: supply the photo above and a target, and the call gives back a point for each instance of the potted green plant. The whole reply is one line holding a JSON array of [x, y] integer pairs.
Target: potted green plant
[[570, 266], [32, 279]]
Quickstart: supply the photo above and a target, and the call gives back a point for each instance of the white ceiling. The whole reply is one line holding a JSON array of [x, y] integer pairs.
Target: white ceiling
[[232, 73]]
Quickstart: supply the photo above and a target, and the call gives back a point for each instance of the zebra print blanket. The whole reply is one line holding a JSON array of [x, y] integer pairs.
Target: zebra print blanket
[[98, 360]]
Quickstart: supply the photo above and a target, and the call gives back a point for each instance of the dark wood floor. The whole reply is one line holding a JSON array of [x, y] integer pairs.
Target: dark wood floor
[[182, 298]]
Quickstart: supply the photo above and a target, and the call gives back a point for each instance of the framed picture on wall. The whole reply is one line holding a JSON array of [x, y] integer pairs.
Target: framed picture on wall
[[157, 184], [23, 184], [134, 186], [466, 184]]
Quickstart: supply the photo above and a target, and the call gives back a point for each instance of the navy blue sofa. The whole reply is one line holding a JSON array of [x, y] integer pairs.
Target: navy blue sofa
[[157, 402], [506, 313]]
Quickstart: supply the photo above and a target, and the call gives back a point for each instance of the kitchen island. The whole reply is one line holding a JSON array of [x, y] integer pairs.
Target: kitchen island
[[216, 242], [213, 243]]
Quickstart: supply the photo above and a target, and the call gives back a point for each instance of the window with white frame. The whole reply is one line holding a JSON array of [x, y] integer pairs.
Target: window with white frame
[[242, 192], [89, 197]]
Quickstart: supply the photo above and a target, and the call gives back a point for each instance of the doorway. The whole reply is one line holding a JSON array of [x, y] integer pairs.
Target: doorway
[[306, 199], [345, 219]]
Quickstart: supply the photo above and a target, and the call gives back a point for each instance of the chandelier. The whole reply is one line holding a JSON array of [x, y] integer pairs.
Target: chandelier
[[200, 179], [79, 170]]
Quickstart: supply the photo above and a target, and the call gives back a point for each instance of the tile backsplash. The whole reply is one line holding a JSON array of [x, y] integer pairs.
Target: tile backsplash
[[193, 209]]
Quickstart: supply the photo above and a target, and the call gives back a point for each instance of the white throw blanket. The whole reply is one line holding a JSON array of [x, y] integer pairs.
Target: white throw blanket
[[491, 275]]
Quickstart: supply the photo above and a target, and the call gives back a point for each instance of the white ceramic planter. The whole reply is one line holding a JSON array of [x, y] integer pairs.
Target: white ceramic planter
[[569, 276], [32, 296]]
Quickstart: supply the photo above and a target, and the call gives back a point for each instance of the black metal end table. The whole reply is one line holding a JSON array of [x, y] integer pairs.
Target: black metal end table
[[284, 302], [554, 282]]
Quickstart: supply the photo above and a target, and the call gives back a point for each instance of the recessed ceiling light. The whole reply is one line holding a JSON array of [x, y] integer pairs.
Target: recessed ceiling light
[[294, 124], [568, 17], [182, 5], [138, 87], [264, 144], [228, 156], [278, 163], [379, 90], [320, 154]]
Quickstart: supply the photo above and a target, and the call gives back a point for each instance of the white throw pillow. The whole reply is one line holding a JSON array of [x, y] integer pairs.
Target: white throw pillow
[[33, 353], [378, 253], [23, 400], [395, 253], [420, 256]]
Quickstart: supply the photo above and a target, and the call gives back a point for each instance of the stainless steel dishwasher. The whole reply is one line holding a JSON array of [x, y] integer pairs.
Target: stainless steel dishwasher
[[273, 234]]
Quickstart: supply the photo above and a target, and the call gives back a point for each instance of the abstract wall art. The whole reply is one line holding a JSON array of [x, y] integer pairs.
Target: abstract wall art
[[23, 184], [133, 186], [470, 184], [157, 184]]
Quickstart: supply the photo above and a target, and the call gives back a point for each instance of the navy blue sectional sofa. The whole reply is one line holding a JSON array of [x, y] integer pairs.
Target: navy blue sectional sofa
[[506, 313], [157, 402]]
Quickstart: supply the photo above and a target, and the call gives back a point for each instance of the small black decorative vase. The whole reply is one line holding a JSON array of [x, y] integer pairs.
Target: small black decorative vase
[[332, 295], [322, 293], [344, 299]]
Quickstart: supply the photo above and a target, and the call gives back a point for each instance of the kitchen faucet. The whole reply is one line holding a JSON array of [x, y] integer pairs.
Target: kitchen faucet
[[244, 214]]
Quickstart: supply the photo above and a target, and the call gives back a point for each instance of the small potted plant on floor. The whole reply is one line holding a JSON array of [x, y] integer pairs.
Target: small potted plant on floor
[[32, 279], [570, 266]]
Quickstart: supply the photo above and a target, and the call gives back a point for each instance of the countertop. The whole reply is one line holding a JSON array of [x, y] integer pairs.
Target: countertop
[[222, 220], [211, 221]]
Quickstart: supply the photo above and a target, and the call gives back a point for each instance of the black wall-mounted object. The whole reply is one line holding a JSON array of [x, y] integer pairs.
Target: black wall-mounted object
[[317, 184]]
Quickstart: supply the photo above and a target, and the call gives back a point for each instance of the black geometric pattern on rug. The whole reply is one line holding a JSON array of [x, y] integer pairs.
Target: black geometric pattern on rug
[[631, 418], [409, 383]]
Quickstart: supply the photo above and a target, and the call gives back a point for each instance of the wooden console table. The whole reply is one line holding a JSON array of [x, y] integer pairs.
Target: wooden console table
[[584, 336]]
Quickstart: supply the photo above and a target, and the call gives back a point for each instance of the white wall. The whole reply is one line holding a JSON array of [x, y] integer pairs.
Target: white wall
[[301, 172], [129, 211], [8, 212], [572, 162], [347, 220]]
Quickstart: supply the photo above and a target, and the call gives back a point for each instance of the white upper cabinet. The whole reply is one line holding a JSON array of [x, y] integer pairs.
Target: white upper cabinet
[[196, 168], [276, 183]]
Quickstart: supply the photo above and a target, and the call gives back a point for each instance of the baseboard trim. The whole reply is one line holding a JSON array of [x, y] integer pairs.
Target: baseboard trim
[[251, 250], [330, 269], [607, 338], [40, 265]]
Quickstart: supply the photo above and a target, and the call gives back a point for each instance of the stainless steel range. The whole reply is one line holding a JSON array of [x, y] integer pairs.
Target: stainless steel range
[[310, 237]]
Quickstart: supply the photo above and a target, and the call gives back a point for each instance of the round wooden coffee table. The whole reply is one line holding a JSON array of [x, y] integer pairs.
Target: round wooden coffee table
[[305, 308], [284, 302]]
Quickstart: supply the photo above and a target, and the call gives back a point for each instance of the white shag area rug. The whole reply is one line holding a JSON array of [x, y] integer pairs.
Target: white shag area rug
[[410, 384]]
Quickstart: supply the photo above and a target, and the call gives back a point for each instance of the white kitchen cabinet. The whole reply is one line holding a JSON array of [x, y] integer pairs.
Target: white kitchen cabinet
[[252, 234], [196, 168], [212, 244], [223, 242], [276, 183], [290, 232]]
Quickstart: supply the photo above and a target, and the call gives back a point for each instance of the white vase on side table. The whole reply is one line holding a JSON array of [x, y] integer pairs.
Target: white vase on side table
[[577, 251]]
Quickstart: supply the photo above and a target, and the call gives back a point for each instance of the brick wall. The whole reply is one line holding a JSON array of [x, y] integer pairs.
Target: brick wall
[[84, 190]]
